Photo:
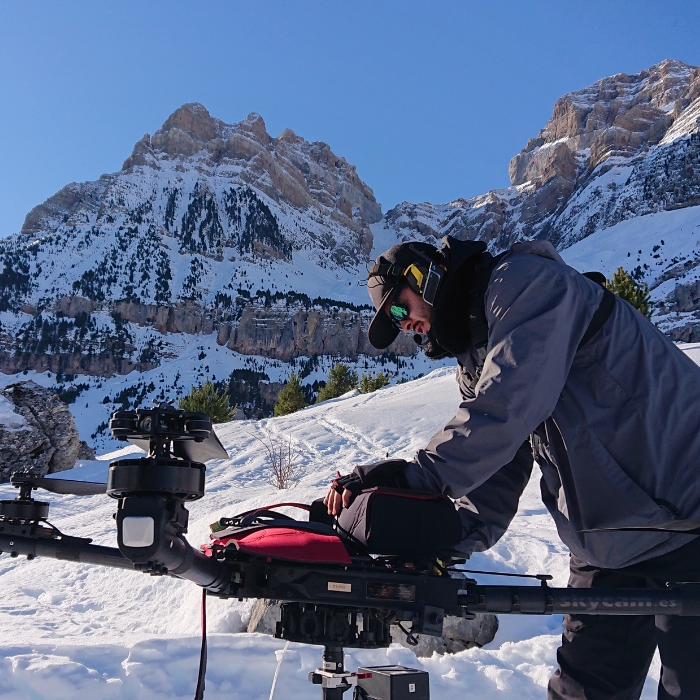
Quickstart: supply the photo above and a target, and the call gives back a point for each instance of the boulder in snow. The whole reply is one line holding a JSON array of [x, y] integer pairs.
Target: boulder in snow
[[37, 432], [458, 634]]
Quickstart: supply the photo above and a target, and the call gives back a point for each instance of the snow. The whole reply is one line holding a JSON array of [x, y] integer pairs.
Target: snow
[[641, 241], [10, 420], [687, 123], [383, 238], [661, 250], [71, 630]]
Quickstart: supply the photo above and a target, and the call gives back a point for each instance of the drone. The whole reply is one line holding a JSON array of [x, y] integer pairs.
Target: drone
[[335, 591]]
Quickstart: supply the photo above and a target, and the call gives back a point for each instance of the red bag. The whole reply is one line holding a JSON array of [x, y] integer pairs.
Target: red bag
[[268, 534]]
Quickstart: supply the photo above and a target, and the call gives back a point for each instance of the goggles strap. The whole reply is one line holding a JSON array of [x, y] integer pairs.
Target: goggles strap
[[385, 270]]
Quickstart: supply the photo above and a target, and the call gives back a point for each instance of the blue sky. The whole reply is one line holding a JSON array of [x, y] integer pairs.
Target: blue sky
[[429, 99]]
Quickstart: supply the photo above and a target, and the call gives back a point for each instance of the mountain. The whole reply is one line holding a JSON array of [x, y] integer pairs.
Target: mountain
[[209, 229], [623, 148], [218, 250]]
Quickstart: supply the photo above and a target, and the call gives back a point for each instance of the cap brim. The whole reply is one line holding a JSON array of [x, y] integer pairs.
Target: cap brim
[[382, 332]]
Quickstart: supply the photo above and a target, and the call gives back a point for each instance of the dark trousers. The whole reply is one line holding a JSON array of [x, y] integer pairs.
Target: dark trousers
[[607, 658]]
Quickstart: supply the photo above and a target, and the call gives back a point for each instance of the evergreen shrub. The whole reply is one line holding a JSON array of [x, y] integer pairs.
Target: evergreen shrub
[[370, 383], [341, 379], [207, 398], [291, 398], [624, 285]]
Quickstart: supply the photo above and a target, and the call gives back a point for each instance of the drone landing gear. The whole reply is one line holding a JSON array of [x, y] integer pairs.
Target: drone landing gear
[[370, 683], [336, 627], [333, 678]]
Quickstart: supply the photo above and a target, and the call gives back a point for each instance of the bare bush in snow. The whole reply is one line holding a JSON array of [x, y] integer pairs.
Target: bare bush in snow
[[283, 470]]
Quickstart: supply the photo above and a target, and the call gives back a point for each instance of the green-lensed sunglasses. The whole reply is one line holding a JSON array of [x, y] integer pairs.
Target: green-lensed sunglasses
[[398, 313]]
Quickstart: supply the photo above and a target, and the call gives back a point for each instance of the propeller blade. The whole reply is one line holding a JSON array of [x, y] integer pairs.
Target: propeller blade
[[211, 448], [67, 486], [63, 486], [690, 527]]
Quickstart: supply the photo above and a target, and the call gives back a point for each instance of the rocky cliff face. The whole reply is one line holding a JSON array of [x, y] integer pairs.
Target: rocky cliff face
[[624, 147]]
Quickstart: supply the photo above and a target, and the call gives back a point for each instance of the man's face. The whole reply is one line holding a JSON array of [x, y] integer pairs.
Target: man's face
[[419, 312]]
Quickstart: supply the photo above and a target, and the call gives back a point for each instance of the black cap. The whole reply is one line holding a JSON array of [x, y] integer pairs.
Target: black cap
[[384, 277]]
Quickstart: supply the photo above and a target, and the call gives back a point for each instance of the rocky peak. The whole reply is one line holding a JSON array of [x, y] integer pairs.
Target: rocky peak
[[288, 136], [194, 120], [617, 116], [254, 124], [185, 132], [287, 168]]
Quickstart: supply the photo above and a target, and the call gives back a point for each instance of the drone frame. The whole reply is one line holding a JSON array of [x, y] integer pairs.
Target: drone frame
[[335, 605]]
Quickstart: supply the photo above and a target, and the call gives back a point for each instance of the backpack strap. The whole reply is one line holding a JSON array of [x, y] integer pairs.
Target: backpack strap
[[602, 313], [250, 517]]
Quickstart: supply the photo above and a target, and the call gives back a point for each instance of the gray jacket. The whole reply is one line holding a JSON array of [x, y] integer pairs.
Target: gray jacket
[[614, 426]]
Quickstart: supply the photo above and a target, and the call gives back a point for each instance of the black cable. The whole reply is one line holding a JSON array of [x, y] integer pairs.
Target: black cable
[[539, 577], [199, 692], [410, 638]]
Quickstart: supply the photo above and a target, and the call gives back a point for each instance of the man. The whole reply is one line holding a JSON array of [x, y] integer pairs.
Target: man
[[553, 365]]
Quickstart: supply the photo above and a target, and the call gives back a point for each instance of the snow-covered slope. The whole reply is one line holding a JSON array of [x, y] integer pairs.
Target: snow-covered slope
[[70, 629], [661, 248]]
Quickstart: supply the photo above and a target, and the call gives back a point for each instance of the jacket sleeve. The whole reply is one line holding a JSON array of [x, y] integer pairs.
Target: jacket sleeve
[[488, 510], [538, 310]]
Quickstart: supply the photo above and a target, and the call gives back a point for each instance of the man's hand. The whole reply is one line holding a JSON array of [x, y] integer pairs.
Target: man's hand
[[335, 502], [341, 492], [344, 488]]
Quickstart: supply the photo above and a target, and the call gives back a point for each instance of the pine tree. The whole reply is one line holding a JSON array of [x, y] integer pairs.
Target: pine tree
[[370, 383], [206, 398], [292, 397], [624, 285], [341, 379]]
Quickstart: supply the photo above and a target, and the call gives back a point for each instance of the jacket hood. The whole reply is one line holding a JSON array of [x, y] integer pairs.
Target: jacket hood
[[449, 330]]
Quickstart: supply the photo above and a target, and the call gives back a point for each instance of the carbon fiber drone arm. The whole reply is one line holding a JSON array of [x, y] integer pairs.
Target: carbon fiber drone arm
[[174, 556], [360, 585], [374, 586], [64, 548]]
